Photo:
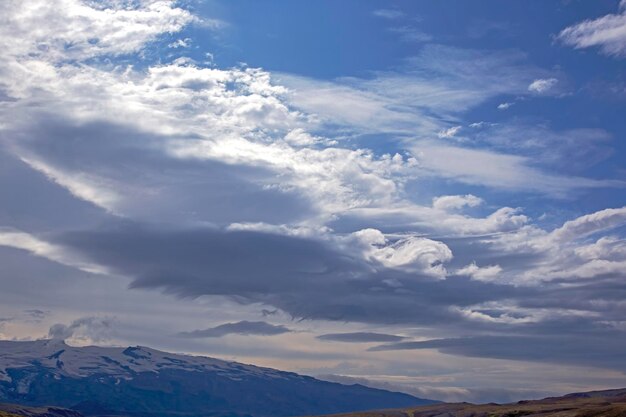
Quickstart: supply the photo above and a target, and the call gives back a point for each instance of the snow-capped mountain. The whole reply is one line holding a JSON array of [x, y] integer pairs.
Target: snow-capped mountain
[[140, 381], [64, 360]]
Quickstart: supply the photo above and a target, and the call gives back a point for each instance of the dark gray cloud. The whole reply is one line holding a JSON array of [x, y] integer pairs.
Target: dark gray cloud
[[360, 337], [313, 279], [256, 328], [36, 314], [306, 278], [149, 183], [31, 202], [602, 350]]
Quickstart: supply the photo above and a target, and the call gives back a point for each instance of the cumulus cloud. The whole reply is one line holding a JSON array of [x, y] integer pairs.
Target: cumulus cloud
[[486, 273], [246, 328], [44, 29], [85, 329], [607, 32], [591, 223], [455, 202], [414, 254], [565, 252]]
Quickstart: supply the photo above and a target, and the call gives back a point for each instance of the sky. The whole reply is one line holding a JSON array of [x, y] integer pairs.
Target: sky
[[425, 196]]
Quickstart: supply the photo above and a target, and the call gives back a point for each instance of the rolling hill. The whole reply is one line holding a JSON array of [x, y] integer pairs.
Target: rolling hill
[[610, 403]]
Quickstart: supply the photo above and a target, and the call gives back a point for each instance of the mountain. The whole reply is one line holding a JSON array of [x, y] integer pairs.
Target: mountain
[[610, 403], [143, 382], [13, 410]]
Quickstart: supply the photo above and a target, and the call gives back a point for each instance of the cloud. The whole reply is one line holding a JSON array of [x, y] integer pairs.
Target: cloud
[[437, 84], [73, 29], [487, 273], [30, 243], [505, 105], [455, 202], [565, 253], [542, 85], [498, 170], [360, 337], [390, 14], [545, 348], [415, 254], [449, 133], [180, 43], [606, 32], [411, 34], [564, 151], [247, 328], [304, 277], [37, 314], [85, 329], [263, 191], [591, 223]]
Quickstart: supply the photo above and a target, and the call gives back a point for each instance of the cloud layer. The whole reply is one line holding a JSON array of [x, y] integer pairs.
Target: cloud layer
[[329, 207]]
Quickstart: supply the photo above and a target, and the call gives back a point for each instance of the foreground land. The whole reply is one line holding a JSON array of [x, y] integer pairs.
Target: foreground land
[[610, 403]]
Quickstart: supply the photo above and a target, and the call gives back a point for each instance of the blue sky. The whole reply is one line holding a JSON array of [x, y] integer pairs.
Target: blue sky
[[285, 37], [420, 196]]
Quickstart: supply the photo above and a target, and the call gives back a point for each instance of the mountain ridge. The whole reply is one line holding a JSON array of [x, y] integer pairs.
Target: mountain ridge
[[143, 382]]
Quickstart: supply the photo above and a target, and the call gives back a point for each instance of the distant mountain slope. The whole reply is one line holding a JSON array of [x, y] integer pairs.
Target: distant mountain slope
[[610, 403], [143, 382], [13, 410]]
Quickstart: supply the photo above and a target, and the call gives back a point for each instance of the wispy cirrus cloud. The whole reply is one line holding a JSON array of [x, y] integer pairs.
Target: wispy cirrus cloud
[[388, 13], [607, 32]]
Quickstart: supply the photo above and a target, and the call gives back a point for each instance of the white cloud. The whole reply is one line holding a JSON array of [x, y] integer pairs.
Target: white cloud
[[542, 85], [449, 133], [454, 202], [497, 170], [504, 106], [180, 43], [436, 85], [607, 32], [565, 253], [74, 29], [391, 14], [486, 273], [57, 253], [410, 254], [591, 223]]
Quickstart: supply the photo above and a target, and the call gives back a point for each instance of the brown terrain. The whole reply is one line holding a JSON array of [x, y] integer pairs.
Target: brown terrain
[[611, 403]]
